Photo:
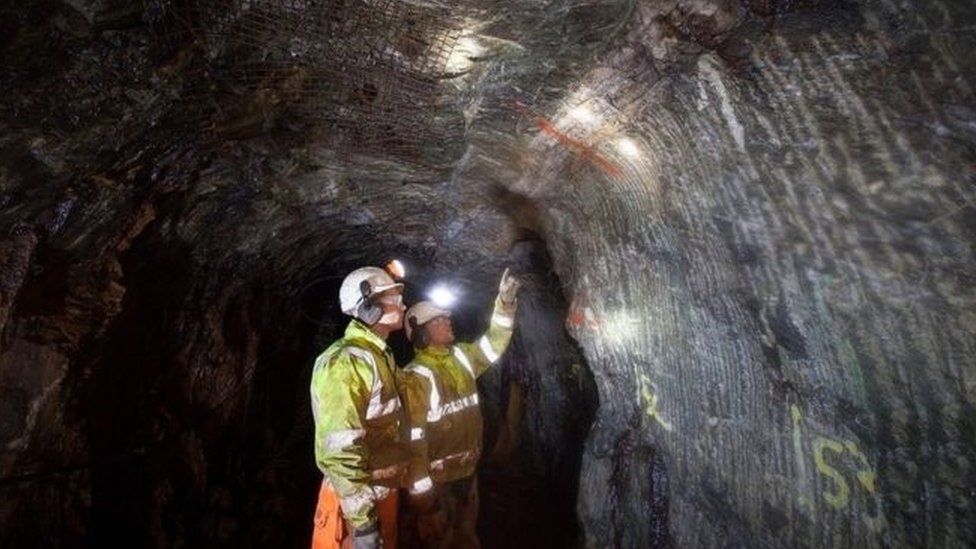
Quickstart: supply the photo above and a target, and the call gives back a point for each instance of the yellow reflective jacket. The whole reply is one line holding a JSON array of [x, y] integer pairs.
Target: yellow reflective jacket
[[357, 422], [441, 396]]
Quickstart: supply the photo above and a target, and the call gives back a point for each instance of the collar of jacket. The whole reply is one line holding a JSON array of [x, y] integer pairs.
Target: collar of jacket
[[434, 352], [360, 331]]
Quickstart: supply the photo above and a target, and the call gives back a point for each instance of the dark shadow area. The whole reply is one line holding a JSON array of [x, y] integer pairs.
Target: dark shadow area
[[197, 410], [539, 404]]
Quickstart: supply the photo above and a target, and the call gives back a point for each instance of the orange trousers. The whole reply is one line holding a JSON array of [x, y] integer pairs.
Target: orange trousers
[[329, 530]]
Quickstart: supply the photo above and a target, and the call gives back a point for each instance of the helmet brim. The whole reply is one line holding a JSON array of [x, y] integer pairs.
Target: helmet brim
[[433, 313], [387, 287]]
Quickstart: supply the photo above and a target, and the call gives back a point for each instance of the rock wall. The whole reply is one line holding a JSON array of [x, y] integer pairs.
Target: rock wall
[[772, 276]]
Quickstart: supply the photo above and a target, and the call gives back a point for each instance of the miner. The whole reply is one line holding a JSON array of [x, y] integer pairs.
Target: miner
[[441, 396], [357, 411]]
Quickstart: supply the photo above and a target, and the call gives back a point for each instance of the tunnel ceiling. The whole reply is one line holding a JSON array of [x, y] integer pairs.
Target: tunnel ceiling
[[759, 211], [302, 127], [289, 128]]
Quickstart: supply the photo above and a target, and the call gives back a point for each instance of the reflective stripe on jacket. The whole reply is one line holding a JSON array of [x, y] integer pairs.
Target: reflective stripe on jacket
[[441, 395], [357, 415]]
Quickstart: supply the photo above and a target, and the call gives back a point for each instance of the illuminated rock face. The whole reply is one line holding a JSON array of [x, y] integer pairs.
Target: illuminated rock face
[[768, 266], [782, 291], [746, 230]]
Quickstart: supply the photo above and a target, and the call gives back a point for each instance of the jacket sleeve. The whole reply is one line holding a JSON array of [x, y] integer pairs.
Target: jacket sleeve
[[416, 396], [341, 387], [486, 350]]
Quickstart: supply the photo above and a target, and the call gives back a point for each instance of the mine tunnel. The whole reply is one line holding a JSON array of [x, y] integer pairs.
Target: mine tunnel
[[743, 228]]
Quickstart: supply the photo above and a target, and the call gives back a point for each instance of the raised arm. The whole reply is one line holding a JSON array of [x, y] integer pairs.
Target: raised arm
[[485, 351]]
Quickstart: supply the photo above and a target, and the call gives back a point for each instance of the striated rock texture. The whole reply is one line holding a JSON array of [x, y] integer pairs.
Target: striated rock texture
[[174, 241], [746, 229], [780, 277]]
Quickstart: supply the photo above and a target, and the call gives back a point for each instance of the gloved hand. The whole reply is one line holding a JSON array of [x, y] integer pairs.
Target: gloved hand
[[368, 539], [508, 288], [431, 526]]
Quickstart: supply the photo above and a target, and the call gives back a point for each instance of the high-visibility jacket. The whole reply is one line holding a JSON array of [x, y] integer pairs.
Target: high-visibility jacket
[[357, 411], [441, 396]]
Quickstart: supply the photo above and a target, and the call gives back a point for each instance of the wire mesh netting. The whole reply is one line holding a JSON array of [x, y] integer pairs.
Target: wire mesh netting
[[369, 70]]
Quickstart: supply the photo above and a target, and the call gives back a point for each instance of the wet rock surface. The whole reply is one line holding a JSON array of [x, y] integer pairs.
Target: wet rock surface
[[746, 229]]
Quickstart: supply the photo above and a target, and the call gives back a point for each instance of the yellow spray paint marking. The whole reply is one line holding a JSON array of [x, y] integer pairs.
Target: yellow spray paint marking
[[840, 498], [803, 498], [797, 416], [651, 403], [865, 476]]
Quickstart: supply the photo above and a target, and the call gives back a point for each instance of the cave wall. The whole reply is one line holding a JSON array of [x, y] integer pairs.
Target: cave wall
[[775, 292]]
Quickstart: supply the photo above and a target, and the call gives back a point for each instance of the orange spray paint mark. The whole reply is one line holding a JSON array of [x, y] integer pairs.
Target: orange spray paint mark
[[577, 147], [580, 314], [583, 318]]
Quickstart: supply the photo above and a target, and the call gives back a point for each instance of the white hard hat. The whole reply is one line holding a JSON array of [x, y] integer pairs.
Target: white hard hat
[[352, 289], [423, 312]]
